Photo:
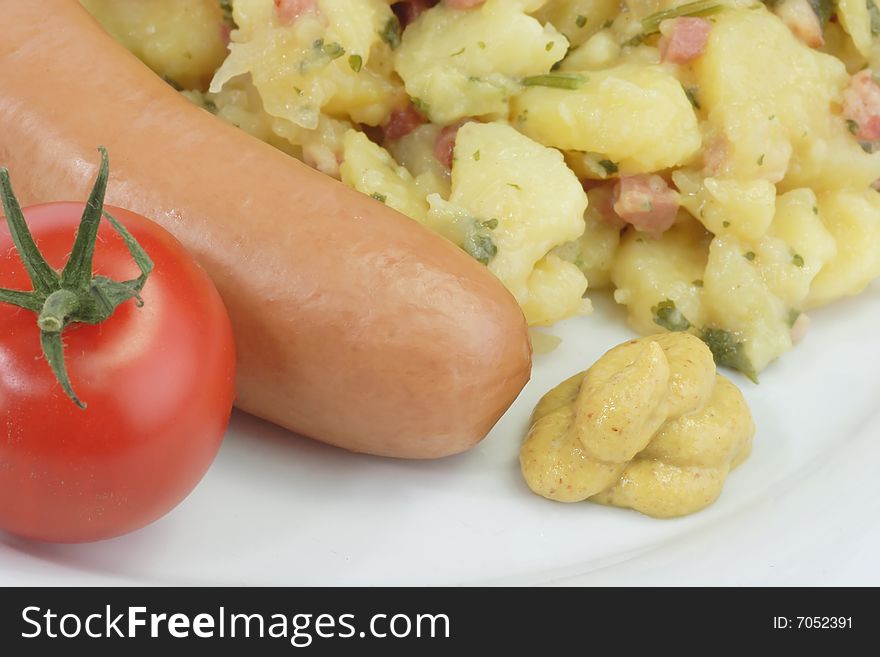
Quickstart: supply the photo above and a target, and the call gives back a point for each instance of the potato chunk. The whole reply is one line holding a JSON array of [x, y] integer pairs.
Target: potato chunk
[[180, 41], [468, 63], [524, 202], [638, 117]]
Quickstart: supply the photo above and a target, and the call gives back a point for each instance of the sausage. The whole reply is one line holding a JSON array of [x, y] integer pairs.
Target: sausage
[[354, 324]]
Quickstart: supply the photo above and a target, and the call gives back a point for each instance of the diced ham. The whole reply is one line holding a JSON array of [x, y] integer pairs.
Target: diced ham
[[463, 4], [408, 11], [715, 156], [802, 20], [289, 10], [444, 144], [225, 33], [684, 39], [646, 202], [402, 122], [861, 105]]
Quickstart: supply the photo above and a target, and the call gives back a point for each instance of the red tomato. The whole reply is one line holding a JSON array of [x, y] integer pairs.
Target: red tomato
[[157, 380]]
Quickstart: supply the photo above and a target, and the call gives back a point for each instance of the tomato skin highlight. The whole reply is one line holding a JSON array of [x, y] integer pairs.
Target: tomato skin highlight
[[158, 381]]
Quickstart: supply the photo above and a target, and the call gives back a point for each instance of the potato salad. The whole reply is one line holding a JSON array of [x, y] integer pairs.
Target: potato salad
[[712, 163]]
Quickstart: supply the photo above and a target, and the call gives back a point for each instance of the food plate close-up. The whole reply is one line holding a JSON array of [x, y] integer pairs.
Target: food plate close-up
[[439, 292], [283, 510]]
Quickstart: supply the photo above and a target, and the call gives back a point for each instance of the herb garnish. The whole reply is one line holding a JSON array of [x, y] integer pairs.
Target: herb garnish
[[669, 317], [556, 80]]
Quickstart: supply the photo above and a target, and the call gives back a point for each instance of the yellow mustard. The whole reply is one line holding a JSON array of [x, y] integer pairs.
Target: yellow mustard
[[650, 426]]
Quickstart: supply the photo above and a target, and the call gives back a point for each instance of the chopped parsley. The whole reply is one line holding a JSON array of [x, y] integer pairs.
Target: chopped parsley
[[728, 351], [556, 80], [515, 186], [390, 34], [549, 46], [793, 317], [761, 160], [478, 243], [481, 45], [581, 20], [333, 50], [379, 197], [421, 106], [874, 14], [320, 55], [457, 53], [691, 93], [697, 283], [852, 126], [481, 248], [226, 8], [749, 255], [476, 156], [797, 260], [815, 210], [725, 224], [669, 317], [651, 23], [356, 62], [610, 167]]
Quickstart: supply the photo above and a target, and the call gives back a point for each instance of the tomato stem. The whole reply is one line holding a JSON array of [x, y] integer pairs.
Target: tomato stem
[[75, 295], [43, 277], [59, 305]]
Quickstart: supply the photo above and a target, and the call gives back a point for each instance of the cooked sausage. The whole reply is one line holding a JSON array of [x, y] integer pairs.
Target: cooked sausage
[[354, 325]]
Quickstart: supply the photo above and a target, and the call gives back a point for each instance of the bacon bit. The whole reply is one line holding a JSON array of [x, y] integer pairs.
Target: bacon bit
[[802, 20], [646, 202], [402, 122], [861, 105], [409, 10], [444, 144], [288, 11], [225, 33], [463, 4], [589, 184], [684, 39], [715, 156]]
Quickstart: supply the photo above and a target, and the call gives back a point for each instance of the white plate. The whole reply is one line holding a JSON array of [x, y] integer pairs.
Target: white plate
[[279, 509]]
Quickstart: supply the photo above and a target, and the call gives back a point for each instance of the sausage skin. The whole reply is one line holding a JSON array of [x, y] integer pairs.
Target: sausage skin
[[354, 325]]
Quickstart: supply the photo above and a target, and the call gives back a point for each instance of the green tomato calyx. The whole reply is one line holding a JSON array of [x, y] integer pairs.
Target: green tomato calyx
[[73, 295]]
